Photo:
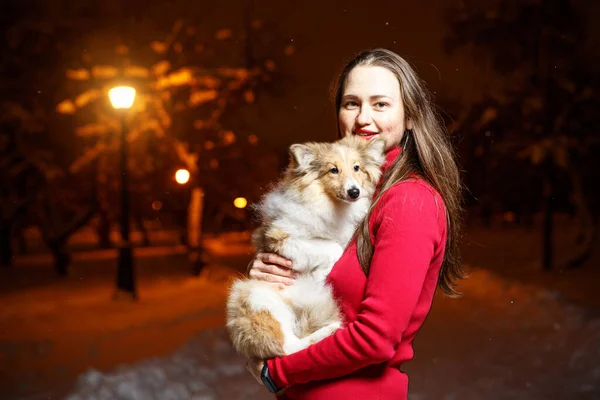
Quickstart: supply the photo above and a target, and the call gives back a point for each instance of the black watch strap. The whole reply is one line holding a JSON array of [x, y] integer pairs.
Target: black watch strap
[[267, 380]]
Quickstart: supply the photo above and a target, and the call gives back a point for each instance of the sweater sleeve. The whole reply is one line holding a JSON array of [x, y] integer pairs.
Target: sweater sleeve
[[406, 232]]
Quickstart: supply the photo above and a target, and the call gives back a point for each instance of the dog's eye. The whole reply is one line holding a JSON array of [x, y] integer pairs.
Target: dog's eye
[[356, 168], [334, 170]]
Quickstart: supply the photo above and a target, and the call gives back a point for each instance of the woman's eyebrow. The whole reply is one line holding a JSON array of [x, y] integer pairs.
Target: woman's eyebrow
[[374, 97], [380, 96]]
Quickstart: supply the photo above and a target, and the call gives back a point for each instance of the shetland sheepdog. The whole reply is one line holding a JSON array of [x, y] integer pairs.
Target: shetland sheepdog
[[309, 217]]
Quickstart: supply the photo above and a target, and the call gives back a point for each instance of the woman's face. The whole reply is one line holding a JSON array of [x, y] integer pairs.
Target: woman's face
[[371, 106]]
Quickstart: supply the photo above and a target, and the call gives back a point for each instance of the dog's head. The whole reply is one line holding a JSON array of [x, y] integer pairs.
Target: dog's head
[[345, 170]]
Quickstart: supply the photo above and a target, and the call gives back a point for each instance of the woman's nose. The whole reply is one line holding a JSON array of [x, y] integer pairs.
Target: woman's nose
[[364, 116]]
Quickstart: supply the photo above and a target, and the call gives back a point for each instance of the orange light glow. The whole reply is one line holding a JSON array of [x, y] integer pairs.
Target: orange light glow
[[122, 96], [182, 176], [240, 202]]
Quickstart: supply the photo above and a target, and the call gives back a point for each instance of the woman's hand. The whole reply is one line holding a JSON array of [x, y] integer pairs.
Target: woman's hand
[[273, 268], [255, 367]]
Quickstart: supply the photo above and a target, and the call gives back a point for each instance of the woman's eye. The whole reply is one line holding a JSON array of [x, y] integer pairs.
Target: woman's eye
[[356, 168], [381, 105], [350, 104], [334, 170]]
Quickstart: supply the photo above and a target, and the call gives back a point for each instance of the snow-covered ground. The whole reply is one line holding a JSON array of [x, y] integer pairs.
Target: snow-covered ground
[[507, 338], [502, 340], [206, 368]]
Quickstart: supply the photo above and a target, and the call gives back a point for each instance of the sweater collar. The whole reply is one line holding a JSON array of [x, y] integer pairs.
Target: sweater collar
[[390, 157]]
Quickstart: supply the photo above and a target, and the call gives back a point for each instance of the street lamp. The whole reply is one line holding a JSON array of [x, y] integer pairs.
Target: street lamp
[[121, 98]]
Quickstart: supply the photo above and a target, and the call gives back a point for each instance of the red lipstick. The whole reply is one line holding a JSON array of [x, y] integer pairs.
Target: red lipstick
[[365, 133]]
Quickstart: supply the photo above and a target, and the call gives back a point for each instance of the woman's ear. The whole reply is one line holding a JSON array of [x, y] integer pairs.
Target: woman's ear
[[409, 125]]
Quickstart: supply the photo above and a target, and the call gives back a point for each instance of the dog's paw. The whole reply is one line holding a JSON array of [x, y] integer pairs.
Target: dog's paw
[[325, 332], [334, 326]]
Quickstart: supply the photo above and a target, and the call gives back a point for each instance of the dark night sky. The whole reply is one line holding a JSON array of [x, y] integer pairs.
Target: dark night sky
[[327, 33]]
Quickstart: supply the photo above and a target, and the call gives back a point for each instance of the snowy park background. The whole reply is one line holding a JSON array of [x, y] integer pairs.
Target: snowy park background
[[507, 338], [224, 87]]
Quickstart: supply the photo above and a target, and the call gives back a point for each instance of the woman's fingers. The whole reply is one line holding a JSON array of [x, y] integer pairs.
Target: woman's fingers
[[272, 268], [272, 264], [272, 258], [275, 270], [269, 277]]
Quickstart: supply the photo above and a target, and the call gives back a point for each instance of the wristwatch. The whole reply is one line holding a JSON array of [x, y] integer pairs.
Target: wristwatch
[[267, 380]]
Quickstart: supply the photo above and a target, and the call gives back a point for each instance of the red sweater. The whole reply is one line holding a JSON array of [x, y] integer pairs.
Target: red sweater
[[382, 313]]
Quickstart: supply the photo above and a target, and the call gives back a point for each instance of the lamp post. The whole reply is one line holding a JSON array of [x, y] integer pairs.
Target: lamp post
[[122, 98], [193, 221]]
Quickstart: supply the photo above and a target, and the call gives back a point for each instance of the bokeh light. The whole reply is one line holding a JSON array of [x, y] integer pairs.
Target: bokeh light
[[240, 202], [182, 176]]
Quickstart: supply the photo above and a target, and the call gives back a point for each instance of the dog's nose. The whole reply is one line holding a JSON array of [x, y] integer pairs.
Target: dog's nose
[[353, 193]]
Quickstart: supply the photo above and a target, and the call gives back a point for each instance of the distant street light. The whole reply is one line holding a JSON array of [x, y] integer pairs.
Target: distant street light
[[122, 98], [182, 176], [240, 202]]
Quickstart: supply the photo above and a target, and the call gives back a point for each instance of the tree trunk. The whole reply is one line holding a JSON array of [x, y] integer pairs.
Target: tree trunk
[[6, 251], [547, 245], [21, 241], [57, 243], [588, 223], [62, 259], [193, 224], [103, 231], [548, 223], [589, 245]]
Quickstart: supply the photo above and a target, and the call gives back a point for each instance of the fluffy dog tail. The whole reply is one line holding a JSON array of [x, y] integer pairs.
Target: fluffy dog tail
[[253, 330]]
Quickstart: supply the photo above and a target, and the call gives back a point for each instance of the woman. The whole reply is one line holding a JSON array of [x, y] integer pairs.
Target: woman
[[405, 247]]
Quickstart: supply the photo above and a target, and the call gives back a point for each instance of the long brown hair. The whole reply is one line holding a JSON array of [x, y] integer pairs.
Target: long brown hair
[[427, 152]]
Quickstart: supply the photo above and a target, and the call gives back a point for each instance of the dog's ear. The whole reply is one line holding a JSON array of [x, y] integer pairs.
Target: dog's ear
[[301, 156], [376, 147]]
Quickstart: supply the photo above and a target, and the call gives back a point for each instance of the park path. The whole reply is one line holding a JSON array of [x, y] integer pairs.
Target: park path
[[505, 339]]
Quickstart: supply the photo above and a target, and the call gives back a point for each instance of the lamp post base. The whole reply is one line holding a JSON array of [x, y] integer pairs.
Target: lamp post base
[[122, 295], [196, 256]]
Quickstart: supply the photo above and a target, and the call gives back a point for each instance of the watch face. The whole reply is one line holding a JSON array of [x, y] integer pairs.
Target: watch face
[[264, 372], [267, 381]]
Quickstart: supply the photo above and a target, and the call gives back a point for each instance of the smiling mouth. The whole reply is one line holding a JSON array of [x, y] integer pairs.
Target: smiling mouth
[[365, 134]]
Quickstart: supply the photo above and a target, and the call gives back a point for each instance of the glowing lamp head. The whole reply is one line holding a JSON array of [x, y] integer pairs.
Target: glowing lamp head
[[182, 176], [121, 96], [240, 202]]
